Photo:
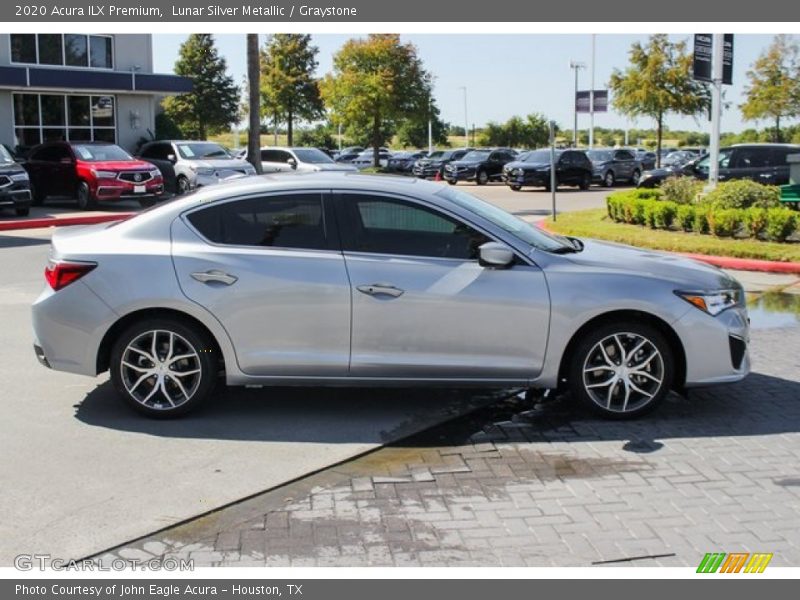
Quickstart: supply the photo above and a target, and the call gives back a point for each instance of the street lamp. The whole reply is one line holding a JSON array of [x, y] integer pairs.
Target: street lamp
[[575, 66], [466, 121]]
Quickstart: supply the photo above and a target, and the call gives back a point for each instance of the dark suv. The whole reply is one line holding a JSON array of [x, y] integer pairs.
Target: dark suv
[[612, 166], [573, 167], [437, 161], [15, 187], [764, 163], [480, 166]]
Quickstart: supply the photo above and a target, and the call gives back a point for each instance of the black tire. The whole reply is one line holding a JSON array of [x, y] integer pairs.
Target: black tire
[[602, 343], [635, 176], [84, 196], [186, 339], [609, 179], [482, 177], [586, 182], [515, 188], [147, 202], [181, 186], [452, 181], [23, 211]]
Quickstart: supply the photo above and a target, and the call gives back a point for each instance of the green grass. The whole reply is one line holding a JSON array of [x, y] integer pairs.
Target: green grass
[[596, 224]]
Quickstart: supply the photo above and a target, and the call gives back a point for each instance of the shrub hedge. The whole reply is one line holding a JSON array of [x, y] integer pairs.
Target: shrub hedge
[[732, 210]]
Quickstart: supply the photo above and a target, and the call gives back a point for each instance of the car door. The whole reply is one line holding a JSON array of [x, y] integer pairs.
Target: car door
[[275, 161], [624, 163], [269, 268], [61, 171], [565, 168], [423, 306]]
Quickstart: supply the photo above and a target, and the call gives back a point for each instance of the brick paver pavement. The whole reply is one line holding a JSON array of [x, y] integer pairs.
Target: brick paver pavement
[[512, 485]]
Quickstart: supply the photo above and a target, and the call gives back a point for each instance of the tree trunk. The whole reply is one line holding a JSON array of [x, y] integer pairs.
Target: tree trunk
[[659, 133], [376, 141], [289, 128], [777, 136], [254, 104]]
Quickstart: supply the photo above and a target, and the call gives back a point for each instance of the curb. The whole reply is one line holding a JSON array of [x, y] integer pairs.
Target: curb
[[63, 221], [727, 262]]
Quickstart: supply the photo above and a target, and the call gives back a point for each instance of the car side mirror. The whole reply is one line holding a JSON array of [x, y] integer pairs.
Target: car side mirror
[[494, 255], [292, 163], [172, 158]]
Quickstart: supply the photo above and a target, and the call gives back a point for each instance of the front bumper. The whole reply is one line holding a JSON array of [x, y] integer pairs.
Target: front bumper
[[716, 348], [528, 178], [15, 197], [426, 171], [127, 191], [465, 175]]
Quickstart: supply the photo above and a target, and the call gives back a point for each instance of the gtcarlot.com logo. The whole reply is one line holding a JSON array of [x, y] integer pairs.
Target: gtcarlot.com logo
[[41, 562], [736, 562]]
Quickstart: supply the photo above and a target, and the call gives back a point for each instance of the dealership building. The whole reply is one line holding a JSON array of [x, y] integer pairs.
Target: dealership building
[[70, 86]]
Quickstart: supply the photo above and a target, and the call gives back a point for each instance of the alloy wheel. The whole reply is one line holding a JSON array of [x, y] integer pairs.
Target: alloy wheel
[[623, 372], [160, 369]]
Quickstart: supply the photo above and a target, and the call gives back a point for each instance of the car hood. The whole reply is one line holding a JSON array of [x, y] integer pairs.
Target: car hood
[[466, 163], [527, 165], [11, 168], [120, 165], [221, 163], [685, 273]]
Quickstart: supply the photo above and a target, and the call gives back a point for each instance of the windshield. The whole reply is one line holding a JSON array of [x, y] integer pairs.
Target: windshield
[[312, 155], [5, 157], [599, 155], [201, 150], [537, 156], [100, 152], [476, 155], [437, 154], [527, 233]]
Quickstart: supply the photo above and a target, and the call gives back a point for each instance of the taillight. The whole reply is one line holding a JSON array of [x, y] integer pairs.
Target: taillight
[[60, 273]]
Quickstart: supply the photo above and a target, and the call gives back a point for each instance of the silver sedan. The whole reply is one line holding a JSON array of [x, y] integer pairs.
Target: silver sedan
[[347, 279]]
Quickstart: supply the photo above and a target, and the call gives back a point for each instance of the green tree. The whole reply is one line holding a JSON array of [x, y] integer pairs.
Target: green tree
[[531, 132], [213, 104], [413, 132], [320, 136], [773, 91], [658, 81], [289, 89], [376, 84]]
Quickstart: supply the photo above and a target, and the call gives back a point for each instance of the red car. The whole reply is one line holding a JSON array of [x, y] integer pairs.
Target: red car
[[91, 172]]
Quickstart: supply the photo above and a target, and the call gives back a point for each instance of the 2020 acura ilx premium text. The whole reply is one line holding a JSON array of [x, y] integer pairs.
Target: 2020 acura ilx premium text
[[348, 279]]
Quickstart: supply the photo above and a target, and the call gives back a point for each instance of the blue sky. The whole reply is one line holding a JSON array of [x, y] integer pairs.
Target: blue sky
[[508, 75]]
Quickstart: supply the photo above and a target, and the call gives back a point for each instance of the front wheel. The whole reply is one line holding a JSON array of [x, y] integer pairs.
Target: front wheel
[[621, 370], [608, 179], [84, 196], [451, 181], [515, 188], [635, 177], [586, 182], [164, 367], [182, 186], [482, 178]]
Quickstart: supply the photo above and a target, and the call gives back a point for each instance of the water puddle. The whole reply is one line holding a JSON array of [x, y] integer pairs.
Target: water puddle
[[773, 310]]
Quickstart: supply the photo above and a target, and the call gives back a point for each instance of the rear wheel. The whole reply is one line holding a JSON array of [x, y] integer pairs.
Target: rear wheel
[[586, 181], [621, 370], [164, 367], [515, 188], [85, 199], [451, 181]]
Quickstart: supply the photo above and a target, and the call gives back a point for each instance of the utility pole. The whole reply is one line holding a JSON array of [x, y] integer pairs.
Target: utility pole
[[716, 108], [466, 121], [430, 125], [591, 99], [575, 66]]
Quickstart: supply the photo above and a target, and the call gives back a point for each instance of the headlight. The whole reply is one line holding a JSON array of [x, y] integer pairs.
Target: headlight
[[19, 176], [155, 173], [204, 171], [250, 170], [714, 302], [104, 174]]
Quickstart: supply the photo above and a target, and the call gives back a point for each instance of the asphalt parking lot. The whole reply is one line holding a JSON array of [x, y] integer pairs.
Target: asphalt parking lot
[[87, 475]]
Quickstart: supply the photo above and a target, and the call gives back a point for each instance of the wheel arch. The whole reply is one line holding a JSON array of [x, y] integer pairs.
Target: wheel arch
[[638, 316], [104, 350]]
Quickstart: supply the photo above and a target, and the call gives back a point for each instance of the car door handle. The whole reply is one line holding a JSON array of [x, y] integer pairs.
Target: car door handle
[[215, 276], [379, 289]]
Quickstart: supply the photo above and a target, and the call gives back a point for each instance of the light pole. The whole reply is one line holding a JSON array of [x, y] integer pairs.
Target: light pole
[[591, 100], [575, 66], [466, 121]]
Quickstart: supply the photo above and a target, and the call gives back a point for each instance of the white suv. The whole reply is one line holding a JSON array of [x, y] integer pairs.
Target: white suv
[[282, 159]]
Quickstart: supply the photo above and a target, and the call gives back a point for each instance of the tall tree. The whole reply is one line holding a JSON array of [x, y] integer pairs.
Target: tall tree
[[773, 91], [376, 83], [253, 76], [288, 86], [658, 81], [414, 131], [212, 105]]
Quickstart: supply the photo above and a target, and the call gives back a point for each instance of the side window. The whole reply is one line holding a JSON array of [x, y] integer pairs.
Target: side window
[[156, 151], [271, 156], [389, 226], [51, 153], [280, 221], [623, 155], [751, 158], [779, 156], [567, 159]]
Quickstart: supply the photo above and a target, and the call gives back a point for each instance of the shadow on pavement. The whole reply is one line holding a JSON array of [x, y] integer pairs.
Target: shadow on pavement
[[296, 414], [11, 241]]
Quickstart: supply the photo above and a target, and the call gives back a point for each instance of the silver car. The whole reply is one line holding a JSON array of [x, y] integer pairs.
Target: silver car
[[348, 279]]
